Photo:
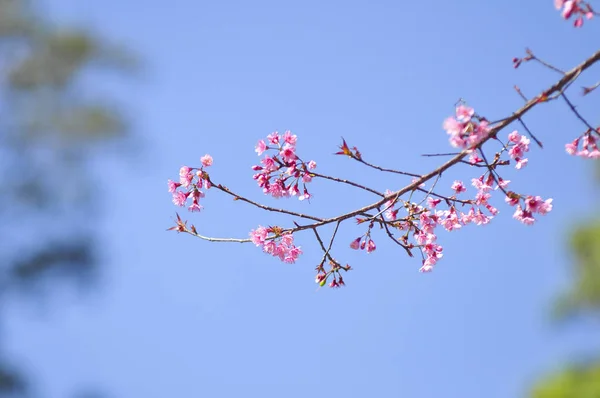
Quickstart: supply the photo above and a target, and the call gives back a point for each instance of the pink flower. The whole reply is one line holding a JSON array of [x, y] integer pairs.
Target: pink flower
[[512, 201], [521, 163], [371, 246], [523, 216], [480, 185], [277, 189], [292, 254], [195, 206], [306, 177], [261, 147], [355, 244], [287, 153], [433, 202], [533, 203], [452, 126], [304, 196], [474, 158], [173, 186], [572, 147], [458, 187], [538, 205], [290, 139], [196, 194], [185, 176], [426, 267], [179, 198], [312, 165], [545, 207], [391, 214], [269, 164], [287, 239], [514, 137], [482, 197], [273, 138], [569, 7], [464, 113], [493, 211], [502, 183], [206, 160], [450, 220], [594, 154], [481, 219], [293, 190], [467, 218], [259, 235]]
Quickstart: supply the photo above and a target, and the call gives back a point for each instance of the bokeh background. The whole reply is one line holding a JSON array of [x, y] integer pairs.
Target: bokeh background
[[102, 102]]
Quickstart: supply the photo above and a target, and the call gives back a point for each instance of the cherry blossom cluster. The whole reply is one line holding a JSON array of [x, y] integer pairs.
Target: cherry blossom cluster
[[465, 130], [286, 162], [575, 8], [421, 222], [276, 243], [589, 145], [191, 181]]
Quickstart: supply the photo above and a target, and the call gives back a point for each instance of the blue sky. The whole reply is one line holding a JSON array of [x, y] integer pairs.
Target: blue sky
[[175, 316]]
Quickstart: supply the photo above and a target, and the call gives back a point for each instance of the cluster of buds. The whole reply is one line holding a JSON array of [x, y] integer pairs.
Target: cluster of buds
[[191, 181], [360, 243], [276, 242], [286, 184], [575, 8], [334, 272]]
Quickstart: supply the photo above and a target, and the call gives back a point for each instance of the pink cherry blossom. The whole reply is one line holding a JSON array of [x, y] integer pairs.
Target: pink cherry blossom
[[512, 201], [185, 176], [179, 198], [312, 165], [355, 244], [289, 138], [482, 198], [259, 235], [521, 163], [480, 219], [391, 214], [474, 158], [464, 113], [173, 186], [261, 147], [432, 203], [206, 160], [287, 153], [514, 137], [523, 216], [306, 177], [269, 163], [306, 195], [458, 187], [293, 190], [273, 138], [195, 206], [502, 183]]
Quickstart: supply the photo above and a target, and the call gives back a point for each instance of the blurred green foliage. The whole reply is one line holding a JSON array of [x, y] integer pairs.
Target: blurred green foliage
[[581, 299], [577, 382], [52, 121]]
